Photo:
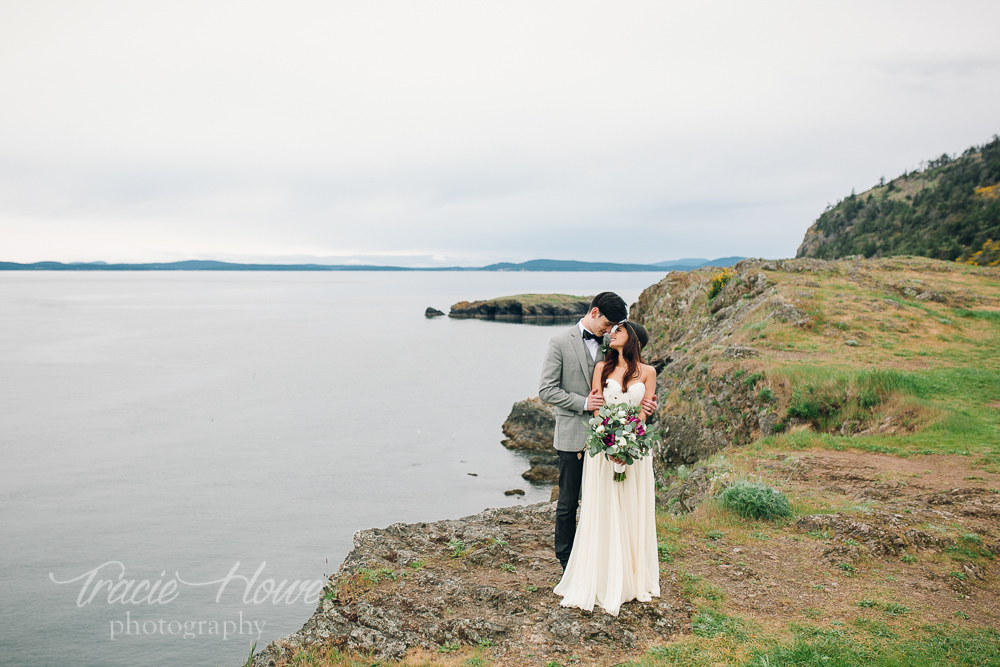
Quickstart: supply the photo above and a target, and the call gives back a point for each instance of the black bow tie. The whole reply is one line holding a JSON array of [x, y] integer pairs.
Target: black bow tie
[[587, 335]]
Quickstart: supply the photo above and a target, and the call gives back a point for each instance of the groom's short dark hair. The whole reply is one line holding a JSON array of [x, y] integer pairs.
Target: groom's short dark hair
[[611, 306]]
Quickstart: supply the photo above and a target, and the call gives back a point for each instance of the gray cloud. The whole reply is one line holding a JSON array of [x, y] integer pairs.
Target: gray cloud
[[454, 132]]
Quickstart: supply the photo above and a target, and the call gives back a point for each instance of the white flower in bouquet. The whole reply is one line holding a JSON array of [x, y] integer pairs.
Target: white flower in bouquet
[[618, 433]]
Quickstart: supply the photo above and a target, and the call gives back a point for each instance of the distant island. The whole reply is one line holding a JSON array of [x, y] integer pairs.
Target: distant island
[[211, 265], [533, 308]]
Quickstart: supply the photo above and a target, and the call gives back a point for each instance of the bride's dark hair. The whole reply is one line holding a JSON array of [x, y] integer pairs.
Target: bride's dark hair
[[632, 351]]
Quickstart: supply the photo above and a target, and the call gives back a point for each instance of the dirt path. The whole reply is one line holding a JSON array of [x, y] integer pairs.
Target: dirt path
[[921, 532]]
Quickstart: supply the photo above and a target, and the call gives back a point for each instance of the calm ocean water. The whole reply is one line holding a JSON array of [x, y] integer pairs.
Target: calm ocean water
[[171, 429]]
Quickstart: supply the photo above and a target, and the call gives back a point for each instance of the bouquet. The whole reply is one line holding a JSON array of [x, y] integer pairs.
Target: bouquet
[[618, 433]]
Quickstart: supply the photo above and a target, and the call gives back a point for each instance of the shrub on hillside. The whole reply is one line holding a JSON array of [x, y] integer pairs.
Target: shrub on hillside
[[755, 500]]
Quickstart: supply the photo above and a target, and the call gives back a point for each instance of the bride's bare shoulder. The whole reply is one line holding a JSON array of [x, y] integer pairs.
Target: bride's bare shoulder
[[648, 371]]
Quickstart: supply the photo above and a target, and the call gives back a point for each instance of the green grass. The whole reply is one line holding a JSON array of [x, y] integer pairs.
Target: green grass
[[985, 315], [249, 660], [458, 548], [723, 640], [711, 623], [374, 575], [896, 609], [666, 551], [826, 397], [937, 647], [955, 399]]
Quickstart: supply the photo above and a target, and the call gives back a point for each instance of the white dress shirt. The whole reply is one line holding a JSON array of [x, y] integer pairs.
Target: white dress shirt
[[592, 344]]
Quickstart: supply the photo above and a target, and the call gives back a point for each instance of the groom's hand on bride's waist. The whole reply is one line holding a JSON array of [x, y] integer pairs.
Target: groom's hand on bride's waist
[[649, 405], [595, 399]]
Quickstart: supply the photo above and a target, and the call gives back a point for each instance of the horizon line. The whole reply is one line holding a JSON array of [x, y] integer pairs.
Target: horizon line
[[217, 265]]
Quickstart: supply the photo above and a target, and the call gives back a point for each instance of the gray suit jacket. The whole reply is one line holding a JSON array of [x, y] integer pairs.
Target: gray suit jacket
[[566, 376]]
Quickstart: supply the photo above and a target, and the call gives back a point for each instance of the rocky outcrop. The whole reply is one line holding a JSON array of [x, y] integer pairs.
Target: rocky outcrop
[[813, 240], [533, 308], [544, 469], [702, 411], [432, 312], [530, 428], [875, 533], [530, 425], [485, 579]]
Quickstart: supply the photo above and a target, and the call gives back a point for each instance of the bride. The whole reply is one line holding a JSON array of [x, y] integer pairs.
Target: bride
[[614, 553]]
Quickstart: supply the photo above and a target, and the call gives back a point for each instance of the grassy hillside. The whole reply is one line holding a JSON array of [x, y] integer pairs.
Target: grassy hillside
[[950, 210], [893, 355]]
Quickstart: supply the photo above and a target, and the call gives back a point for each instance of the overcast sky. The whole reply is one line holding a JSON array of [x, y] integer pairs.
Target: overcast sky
[[428, 133]]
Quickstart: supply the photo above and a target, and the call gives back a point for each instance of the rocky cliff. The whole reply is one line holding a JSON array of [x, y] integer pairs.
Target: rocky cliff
[[530, 428]]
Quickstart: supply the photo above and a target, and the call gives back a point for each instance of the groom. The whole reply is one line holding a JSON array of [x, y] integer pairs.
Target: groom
[[565, 384]]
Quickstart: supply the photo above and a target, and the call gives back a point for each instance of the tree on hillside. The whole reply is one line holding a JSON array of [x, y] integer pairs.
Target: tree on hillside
[[947, 211]]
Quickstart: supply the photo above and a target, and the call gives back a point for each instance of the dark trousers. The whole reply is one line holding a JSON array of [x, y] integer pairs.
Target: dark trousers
[[570, 479]]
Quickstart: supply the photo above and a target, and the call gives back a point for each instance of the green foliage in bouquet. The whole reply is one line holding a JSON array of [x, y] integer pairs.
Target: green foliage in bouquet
[[617, 432]]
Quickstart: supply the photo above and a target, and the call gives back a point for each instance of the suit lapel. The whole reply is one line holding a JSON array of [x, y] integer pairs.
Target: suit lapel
[[582, 353]]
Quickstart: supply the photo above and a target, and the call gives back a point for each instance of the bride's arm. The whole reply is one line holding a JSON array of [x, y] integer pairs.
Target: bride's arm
[[595, 381], [648, 381]]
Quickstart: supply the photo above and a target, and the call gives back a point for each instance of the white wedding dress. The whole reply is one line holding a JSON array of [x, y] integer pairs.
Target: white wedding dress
[[614, 552]]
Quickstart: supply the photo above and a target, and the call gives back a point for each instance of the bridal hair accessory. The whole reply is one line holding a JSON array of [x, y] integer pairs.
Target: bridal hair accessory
[[634, 329]]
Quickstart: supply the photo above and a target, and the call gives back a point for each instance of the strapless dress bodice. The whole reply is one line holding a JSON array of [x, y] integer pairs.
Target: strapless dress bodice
[[633, 395]]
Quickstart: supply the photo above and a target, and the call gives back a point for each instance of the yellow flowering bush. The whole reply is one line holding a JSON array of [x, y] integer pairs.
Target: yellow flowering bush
[[719, 281], [989, 191], [988, 256]]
